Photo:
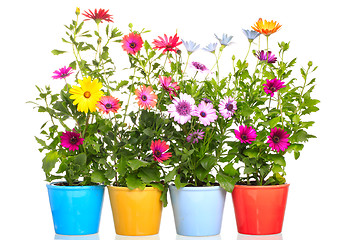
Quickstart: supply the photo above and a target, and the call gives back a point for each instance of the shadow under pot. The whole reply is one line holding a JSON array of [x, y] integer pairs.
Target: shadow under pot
[[198, 211], [260, 210], [76, 210]]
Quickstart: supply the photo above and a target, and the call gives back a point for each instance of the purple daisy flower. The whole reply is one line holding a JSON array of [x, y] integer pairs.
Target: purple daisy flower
[[227, 107], [272, 86], [182, 108], [206, 113], [62, 73], [71, 140], [278, 139], [268, 56], [199, 67], [245, 134], [195, 136]]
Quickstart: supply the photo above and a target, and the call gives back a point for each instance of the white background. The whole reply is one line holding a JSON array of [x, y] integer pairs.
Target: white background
[[324, 194]]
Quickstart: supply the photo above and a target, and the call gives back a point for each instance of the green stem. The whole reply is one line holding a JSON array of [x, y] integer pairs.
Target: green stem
[[247, 52]]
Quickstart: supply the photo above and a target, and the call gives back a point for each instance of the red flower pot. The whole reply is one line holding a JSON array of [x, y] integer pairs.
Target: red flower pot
[[259, 210]]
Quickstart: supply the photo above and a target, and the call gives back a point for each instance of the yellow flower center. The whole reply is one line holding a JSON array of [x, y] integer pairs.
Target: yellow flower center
[[87, 94]]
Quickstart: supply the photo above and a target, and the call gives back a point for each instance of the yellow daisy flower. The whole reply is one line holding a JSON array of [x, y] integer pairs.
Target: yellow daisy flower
[[87, 95]]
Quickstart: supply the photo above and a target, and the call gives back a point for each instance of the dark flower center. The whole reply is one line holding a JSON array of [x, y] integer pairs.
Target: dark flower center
[[229, 106], [203, 114], [276, 139], [64, 75], [157, 153], [168, 46], [144, 98], [199, 66], [133, 45], [87, 94], [273, 89], [73, 140], [244, 137], [108, 106], [183, 108]]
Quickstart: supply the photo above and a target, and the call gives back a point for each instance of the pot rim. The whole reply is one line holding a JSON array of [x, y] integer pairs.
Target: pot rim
[[117, 188], [199, 188], [87, 187], [285, 185]]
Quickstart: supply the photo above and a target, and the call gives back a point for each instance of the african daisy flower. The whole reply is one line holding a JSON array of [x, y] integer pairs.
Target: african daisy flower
[[62, 73], [211, 47], [206, 113], [132, 43], [268, 56], [245, 134], [251, 34], [195, 136], [98, 16], [272, 86], [265, 27], [87, 95], [146, 98], [167, 85], [190, 46], [225, 40], [227, 107], [108, 104], [168, 44], [71, 140], [159, 149], [182, 108], [199, 67], [278, 139]]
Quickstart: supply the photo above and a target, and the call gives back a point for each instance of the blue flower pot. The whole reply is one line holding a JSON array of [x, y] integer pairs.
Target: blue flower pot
[[198, 211], [76, 210]]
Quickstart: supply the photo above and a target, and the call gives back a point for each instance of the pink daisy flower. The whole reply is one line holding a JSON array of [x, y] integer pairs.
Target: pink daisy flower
[[62, 73], [278, 139], [98, 16], [146, 98], [167, 85], [272, 86], [245, 134], [227, 107], [168, 44], [268, 56], [159, 149], [206, 113], [182, 108], [108, 104], [132, 43], [71, 140], [195, 136], [199, 67]]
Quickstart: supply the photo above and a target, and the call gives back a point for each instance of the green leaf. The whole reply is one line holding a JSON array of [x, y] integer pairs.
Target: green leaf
[[277, 168], [225, 181], [133, 182], [252, 153], [149, 175], [208, 162], [41, 142], [57, 52], [163, 196], [296, 119], [136, 164], [230, 170], [98, 176], [149, 132], [277, 159], [274, 121], [49, 161], [80, 159], [170, 176], [178, 183]]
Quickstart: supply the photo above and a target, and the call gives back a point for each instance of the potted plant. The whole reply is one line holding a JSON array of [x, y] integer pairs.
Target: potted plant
[[73, 139], [271, 120]]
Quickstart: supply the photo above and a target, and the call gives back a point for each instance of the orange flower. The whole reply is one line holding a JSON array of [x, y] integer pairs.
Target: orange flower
[[146, 98], [265, 27]]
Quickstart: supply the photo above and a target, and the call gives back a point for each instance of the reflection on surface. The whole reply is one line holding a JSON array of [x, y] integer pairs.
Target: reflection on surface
[[260, 237], [77, 237], [151, 237], [215, 237]]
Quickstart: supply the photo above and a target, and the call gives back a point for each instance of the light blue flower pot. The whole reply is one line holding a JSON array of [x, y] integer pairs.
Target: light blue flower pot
[[198, 211], [76, 210]]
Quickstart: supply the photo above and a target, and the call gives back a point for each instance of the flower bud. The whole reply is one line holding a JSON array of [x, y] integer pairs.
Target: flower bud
[[77, 12], [310, 63]]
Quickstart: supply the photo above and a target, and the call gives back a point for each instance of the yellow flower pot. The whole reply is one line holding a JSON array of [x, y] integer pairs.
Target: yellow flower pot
[[136, 212]]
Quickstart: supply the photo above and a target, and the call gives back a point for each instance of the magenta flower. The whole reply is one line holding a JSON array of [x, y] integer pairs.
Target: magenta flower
[[206, 113], [273, 86], [245, 134], [62, 73], [167, 85], [71, 140], [199, 67], [195, 136], [278, 139], [159, 149], [108, 104], [132, 43], [227, 107], [182, 108], [268, 57]]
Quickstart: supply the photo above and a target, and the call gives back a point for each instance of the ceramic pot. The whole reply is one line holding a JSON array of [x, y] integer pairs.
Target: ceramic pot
[[260, 210], [136, 212], [198, 211], [76, 210]]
